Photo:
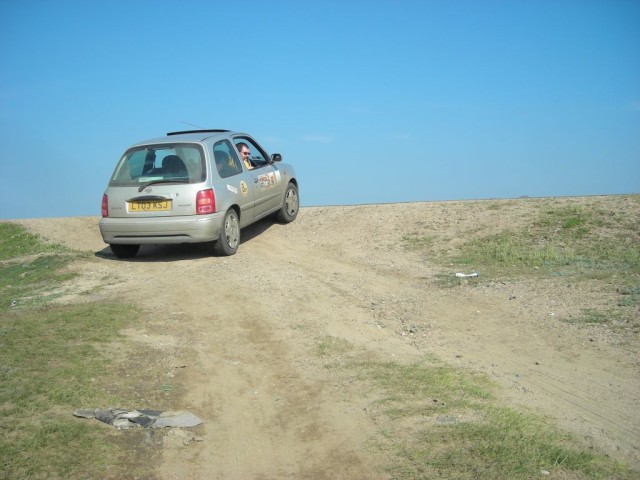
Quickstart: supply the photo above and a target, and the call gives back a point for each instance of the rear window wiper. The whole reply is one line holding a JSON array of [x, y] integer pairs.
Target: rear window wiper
[[154, 182]]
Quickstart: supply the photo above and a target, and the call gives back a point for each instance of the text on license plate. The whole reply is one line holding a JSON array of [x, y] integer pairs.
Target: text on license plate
[[150, 206]]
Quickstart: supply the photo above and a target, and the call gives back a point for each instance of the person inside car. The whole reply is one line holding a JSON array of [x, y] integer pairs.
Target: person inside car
[[243, 148], [224, 164]]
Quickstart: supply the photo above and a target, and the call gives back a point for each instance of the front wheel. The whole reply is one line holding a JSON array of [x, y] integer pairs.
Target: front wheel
[[229, 239], [124, 251], [291, 204]]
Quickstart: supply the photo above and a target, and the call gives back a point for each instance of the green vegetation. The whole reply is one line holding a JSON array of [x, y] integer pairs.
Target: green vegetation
[[630, 297], [574, 242], [503, 444], [15, 242], [29, 267], [458, 432], [330, 346], [418, 242], [50, 365], [568, 239], [589, 316], [439, 422]]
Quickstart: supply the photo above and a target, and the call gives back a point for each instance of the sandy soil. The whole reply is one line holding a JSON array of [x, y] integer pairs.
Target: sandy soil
[[242, 334]]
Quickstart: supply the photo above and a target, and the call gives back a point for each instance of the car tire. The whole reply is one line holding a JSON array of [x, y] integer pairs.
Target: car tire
[[290, 204], [229, 239], [125, 251]]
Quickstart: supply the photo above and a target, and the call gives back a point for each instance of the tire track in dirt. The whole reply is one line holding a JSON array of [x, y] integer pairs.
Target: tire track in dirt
[[267, 403]]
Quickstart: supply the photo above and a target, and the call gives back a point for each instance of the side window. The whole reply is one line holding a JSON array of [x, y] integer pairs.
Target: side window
[[257, 157], [193, 161], [226, 159]]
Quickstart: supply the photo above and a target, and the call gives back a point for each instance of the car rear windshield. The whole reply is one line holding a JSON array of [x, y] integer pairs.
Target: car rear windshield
[[182, 162]]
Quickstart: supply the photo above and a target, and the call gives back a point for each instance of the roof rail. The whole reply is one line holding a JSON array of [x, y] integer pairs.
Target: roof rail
[[198, 131]]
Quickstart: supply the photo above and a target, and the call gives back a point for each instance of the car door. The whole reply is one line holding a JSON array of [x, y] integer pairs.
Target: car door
[[265, 179], [235, 186], [266, 182]]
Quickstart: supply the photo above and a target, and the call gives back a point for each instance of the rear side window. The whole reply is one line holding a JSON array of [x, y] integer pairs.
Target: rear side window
[[226, 159], [183, 162]]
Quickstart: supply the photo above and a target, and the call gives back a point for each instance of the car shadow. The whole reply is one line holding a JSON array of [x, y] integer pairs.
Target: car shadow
[[187, 251]]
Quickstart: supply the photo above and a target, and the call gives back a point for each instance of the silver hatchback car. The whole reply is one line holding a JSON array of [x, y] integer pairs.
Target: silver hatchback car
[[194, 186]]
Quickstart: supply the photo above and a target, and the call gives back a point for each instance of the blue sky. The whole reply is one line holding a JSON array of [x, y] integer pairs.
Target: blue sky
[[372, 102]]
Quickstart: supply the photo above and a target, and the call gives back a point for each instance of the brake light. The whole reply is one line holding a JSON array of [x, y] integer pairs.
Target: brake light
[[105, 205], [205, 202]]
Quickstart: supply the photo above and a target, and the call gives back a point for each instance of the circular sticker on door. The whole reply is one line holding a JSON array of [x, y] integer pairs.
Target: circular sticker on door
[[244, 188]]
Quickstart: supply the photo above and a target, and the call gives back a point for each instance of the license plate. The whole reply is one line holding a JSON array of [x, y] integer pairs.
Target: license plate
[[150, 206]]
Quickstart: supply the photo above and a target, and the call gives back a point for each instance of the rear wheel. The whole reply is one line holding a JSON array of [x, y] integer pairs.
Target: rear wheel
[[229, 239], [124, 251], [291, 204]]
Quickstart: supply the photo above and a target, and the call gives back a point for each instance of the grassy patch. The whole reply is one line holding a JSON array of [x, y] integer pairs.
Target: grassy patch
[[418, 242], [568, 239], [424, 389], [51, 364], [590, 316], [499, 205], [435, 421], [50, 367], [503, 444], [575, 240], [331, 346], [30, 270], [505, 251], [50, 353], [630, 297], [15, 241], [33, 281], [439, 422]]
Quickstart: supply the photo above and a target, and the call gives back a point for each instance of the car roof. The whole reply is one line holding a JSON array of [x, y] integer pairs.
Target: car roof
[[190, 135]]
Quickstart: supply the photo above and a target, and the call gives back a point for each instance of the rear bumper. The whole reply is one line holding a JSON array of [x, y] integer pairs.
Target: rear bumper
[[161, 230]]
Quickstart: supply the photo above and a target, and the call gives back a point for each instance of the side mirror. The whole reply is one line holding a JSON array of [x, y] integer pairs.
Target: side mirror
[[276, 157]]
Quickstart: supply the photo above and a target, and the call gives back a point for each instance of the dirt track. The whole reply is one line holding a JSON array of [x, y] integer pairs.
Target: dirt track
[[249, 326]]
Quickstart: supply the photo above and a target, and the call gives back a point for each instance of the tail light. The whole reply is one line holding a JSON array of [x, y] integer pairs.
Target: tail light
[[105, 206], [205, 202]]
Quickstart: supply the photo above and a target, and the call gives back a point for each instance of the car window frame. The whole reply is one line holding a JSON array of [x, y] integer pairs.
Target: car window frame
[[256, 146]]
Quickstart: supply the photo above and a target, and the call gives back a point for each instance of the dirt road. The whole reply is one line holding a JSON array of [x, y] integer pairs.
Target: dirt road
[[240, 335]]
